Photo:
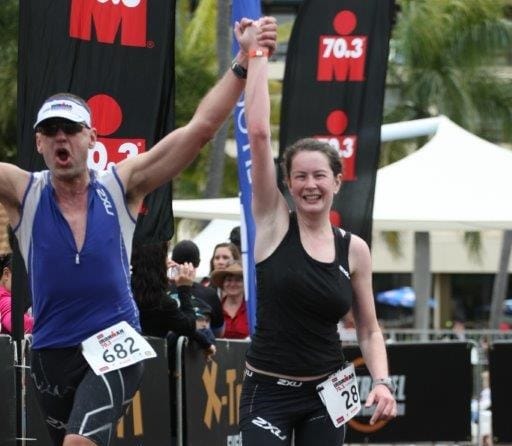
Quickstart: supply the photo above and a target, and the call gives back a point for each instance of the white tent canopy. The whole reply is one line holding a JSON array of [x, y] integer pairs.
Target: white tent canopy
[[208, 208], [455, 181]]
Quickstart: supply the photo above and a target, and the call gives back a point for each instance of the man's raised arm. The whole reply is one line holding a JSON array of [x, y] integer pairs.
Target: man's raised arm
[[13, 183], [144, 173]]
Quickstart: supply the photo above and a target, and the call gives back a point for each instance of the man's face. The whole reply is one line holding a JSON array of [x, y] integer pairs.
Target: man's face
[[64, 145]]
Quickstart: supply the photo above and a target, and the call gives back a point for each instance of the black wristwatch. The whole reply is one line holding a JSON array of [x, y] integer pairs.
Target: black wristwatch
[[239, 71], [388, 382]]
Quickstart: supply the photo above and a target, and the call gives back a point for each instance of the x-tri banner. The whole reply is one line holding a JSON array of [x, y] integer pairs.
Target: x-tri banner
[[334, 89], [119, 56]]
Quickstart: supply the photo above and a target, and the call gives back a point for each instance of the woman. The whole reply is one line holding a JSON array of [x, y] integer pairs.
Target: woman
[[161, 310], [5, 298], [231, 281], [223, 254], [309, 274]]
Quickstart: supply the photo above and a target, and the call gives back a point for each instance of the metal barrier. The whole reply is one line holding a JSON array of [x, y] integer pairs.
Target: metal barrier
[[481, 337], [207, 393]]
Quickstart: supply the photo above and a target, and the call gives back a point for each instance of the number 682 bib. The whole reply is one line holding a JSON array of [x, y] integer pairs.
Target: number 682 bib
[[340, 395], [115, 347]]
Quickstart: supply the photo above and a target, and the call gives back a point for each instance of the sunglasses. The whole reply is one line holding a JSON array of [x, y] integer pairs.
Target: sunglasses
[[69, 128]]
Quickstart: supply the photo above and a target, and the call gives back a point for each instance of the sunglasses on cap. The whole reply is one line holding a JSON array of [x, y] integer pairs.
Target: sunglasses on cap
[[68, 127]]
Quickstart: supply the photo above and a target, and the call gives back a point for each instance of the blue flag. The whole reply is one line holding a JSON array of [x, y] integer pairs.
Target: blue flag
[[250, 9]]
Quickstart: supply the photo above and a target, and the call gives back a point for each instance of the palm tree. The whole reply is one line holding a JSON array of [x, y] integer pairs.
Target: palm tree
[[443, 60], [217, 157], [202, 52]]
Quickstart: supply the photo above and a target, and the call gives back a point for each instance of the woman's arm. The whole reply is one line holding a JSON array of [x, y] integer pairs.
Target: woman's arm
[[269, 207], [369, 333]]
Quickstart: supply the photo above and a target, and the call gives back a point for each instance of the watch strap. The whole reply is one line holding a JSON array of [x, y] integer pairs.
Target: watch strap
[[388, 382], [238, 70]]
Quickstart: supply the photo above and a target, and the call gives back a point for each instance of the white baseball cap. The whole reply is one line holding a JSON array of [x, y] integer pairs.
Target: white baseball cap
[[63, 108]]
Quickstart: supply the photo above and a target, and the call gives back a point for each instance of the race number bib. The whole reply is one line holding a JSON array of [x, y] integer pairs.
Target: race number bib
[[340, 395], [115, 347]]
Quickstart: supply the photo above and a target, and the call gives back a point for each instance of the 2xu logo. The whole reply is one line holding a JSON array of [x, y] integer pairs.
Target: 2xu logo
[[107, 16]]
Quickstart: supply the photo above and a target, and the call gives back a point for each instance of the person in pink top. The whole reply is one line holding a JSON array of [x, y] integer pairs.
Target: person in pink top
[[5, 298]]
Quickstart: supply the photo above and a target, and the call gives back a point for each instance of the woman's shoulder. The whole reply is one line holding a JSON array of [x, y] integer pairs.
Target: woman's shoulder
[[359, 253]]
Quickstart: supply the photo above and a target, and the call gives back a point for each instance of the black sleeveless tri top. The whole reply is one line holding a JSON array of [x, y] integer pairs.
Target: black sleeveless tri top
[[300, 301]]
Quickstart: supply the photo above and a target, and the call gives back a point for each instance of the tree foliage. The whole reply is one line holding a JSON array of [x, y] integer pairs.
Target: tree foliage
[[443, 60], [196, 72], [8, 78]]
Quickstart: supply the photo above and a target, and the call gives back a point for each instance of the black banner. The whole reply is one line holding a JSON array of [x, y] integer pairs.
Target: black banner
[[147, 421], [212, 394], [7, 393], [501, 390], [119, 56], [334, 89], [434, 386]]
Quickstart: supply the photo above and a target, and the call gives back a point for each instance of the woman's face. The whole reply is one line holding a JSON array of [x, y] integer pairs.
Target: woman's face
[[222, 257], [233, 285], [312, 183], [6, 279]]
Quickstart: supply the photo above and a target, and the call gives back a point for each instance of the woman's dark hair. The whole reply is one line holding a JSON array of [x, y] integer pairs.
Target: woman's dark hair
[[5, 262], [311, 145], [149, 272], [231, 246]]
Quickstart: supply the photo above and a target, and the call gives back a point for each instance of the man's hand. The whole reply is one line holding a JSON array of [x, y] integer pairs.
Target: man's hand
[[260, 33]]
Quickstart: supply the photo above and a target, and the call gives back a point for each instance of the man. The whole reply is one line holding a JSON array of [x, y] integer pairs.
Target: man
[[75, 229]]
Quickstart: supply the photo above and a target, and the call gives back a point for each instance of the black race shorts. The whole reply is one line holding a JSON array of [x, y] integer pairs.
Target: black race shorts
[[272, 410], [74, 400]]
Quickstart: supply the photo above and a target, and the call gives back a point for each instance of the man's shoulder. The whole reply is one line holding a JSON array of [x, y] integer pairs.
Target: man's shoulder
[[203, 292]]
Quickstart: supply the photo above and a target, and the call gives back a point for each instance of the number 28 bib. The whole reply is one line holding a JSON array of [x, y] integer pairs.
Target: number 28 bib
[[340, 395], [115, 347]]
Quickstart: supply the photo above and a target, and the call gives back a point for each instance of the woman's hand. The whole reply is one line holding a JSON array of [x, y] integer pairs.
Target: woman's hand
[[253, 34], [386, 404], [185, 274]]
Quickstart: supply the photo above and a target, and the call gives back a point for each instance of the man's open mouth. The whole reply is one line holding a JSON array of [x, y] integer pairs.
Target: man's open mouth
[[62, 154]]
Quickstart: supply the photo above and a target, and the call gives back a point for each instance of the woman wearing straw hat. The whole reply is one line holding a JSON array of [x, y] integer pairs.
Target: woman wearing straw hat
[[231, 281]]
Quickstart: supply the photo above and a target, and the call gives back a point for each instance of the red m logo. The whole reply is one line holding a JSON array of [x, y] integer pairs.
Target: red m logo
[[108, 16]]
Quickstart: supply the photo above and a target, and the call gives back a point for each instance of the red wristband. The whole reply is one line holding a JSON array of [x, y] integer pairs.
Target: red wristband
[[258, 52]]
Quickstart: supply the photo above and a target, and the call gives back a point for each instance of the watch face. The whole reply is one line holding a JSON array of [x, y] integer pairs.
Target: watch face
[[239, 71], [388, 382]]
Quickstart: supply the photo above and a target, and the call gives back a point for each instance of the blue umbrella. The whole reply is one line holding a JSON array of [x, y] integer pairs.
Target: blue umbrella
[[401, 297]]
